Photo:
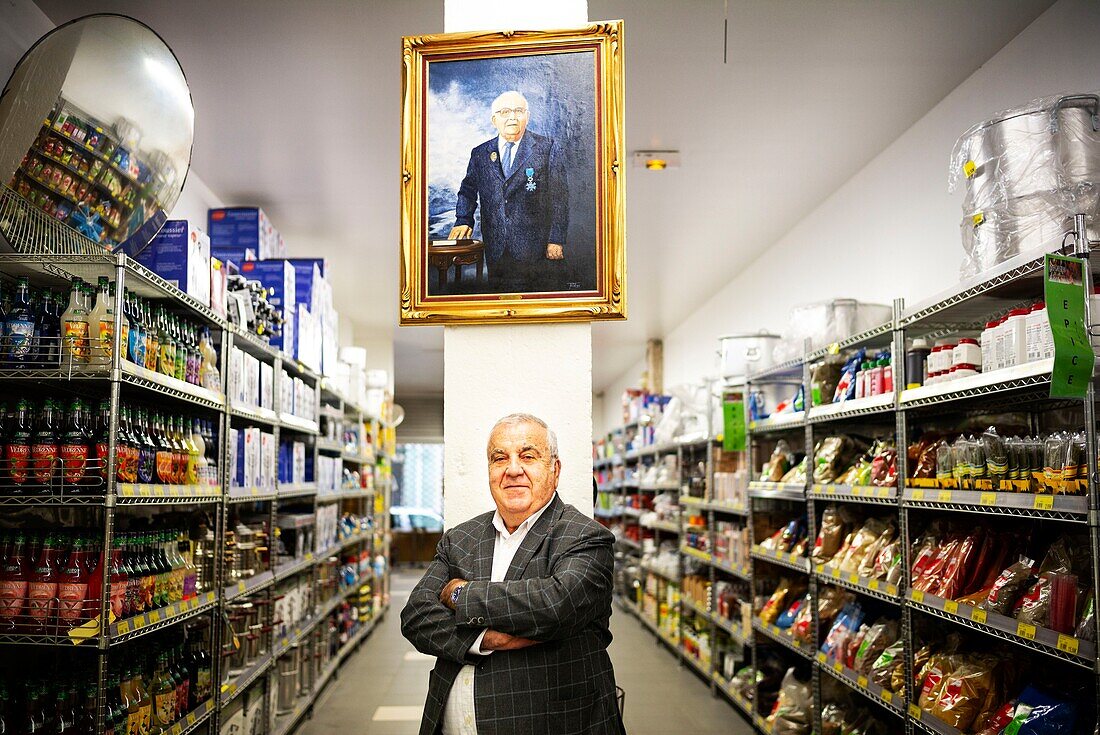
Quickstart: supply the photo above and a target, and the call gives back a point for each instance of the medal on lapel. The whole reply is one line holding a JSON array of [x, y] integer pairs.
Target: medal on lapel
[[493, 156], [530, 179]]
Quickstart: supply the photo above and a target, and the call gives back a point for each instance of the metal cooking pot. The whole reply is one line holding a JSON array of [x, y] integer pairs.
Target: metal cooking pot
[[742, 354], [288, 680], [1025, 152], [1026, 225]]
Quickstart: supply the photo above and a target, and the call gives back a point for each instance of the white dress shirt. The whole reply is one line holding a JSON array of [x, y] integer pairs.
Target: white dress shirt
[[459, 717], [502, 149]]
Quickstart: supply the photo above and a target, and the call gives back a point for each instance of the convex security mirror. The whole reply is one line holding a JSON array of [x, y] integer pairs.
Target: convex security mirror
[[96, 127]]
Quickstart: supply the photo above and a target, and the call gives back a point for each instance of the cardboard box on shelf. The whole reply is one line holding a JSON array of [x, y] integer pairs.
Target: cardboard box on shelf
[[277, 276], [180, 254], [308, 334], [236, 230]]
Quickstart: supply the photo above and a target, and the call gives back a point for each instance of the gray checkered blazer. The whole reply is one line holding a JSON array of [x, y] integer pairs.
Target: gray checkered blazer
[[557, 591]]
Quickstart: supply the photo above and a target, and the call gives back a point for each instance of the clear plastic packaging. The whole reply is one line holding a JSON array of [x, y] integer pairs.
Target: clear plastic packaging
[[826, 322]]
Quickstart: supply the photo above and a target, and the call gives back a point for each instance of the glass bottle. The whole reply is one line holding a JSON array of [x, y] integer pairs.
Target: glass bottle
[[183, 682], [181, 349], [124, 327], [14, 579], [164, 571], [102, 318], [86, 716], [164, 451], [47, 331], [167, 362], [75, 329], [42, 588], [72, 587], [119, 583], [147, 452], [211, 449], [201, 465], [190, 571], [137, 333], [165, 697], [75, 445], [152, 339], [131, 604], [101, 444], [44, 444], [64, 710], [17, 447], [199, 669], [34, 715], [179, 451], [142, 705], [133, 445], [19, 327]]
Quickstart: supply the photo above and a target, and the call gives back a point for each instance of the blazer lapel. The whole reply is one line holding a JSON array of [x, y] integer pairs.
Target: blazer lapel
[[483, 552], [493, 155], [533, 540]]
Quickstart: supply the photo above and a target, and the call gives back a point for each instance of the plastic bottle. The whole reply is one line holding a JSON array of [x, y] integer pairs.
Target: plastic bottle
[[75, 330], [137, 333], [1015, 337], [152, 338], [1036, 330], [201, 464], [877, 387], [102, 324], [916, 359], [19, 327], [209, 376]]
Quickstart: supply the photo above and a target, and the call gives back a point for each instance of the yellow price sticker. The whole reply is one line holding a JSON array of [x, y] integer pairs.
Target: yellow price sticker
[[853, 579], [124, 627], [835, 571], [914, 711], [944, 496], [978, 615], [821, 657], [887, 695], [1067, 643], [862, 681], [1025, 630], [987, 499], [969, 169], [819, 568], [830, 490], [977, 219], [241, 587], [951, 606], [795, 558], [837, 666], [883, 492], [145, 491], [918, 494], [891, 589], [872, 584], [191, 719], [917, 596], [1044, 502]]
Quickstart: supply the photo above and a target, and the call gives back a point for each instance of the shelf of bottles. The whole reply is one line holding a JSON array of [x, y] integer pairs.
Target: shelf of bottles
[[126, 520]]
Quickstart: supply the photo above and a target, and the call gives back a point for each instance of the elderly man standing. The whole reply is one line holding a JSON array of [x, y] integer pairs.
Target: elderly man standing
[[519, 179], [516, 604]]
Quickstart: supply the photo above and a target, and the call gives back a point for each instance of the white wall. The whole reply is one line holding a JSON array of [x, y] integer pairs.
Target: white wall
[[892, 230], [23, 24]]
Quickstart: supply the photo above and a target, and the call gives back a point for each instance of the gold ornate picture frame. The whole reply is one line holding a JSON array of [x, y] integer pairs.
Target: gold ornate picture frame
[[510, 142]]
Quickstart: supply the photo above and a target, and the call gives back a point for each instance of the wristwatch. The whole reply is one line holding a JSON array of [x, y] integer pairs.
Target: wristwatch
[[454, 594]]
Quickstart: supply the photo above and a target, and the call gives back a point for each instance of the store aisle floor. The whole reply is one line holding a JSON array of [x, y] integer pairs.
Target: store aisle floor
[[381, 688]]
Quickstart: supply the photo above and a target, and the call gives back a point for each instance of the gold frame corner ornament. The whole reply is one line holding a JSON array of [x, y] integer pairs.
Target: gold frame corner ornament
[[609, 301]]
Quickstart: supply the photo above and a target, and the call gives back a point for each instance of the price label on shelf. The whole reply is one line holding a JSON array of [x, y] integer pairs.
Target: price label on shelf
[[951, 606], [917, 595], [883, 492], [145, 491], [191, 719], [862, 681], [944, 496], [154, 617], [124, 627], [918, 494], [987, 499], [914, 711], [795, 558], [978, 615], [872, 584], [819, 568], [1067, 643], [835, 572], [1025, 631], [241, 587], [821, 657], [891, 589], [830, 489], [853, 579], [838, 666], [887, 695], [1044, 502]]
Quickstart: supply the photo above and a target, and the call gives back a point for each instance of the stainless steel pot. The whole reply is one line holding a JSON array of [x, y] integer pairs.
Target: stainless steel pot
[[1023, 153], [1026, 225], [742, 354]]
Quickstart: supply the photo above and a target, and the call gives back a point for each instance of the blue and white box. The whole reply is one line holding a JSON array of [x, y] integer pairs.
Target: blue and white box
[[277, 276], [180, 254], [236, 230]]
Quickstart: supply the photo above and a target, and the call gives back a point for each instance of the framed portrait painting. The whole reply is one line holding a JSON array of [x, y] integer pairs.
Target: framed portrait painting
[[512, 168]]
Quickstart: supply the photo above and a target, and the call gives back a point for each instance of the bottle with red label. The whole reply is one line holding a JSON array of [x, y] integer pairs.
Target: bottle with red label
[[72, 587], [101, 445], [13, 584], [17, 447], [44, 444], [165, 453], [119, 583], [42, 588], [75, 447]]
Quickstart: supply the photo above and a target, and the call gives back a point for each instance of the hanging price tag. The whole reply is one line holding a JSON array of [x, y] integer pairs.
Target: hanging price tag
[[978, 615], [1067, 643], [1025, 631]]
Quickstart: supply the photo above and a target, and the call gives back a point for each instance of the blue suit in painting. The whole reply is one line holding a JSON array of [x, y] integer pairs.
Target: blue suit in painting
[[520, 214]]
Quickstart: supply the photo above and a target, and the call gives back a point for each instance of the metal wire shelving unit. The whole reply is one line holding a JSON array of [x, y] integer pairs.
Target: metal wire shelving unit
[[119, 380]]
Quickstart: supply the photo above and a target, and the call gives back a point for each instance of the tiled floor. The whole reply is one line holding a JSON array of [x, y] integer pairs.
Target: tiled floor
[[380, 690]]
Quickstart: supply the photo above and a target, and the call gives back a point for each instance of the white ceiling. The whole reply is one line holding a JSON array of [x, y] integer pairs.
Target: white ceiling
[[297, 110]]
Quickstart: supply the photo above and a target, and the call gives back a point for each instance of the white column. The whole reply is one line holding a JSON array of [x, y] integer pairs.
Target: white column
[[492, 371]]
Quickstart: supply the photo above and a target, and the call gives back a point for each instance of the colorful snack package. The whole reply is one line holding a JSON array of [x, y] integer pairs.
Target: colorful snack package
[[963, 692], [888, 662], [793, 710], [773, 607], [861, 542], [1010, 583], [870, 560], [830, 537], [882, 634], [949, 585]]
